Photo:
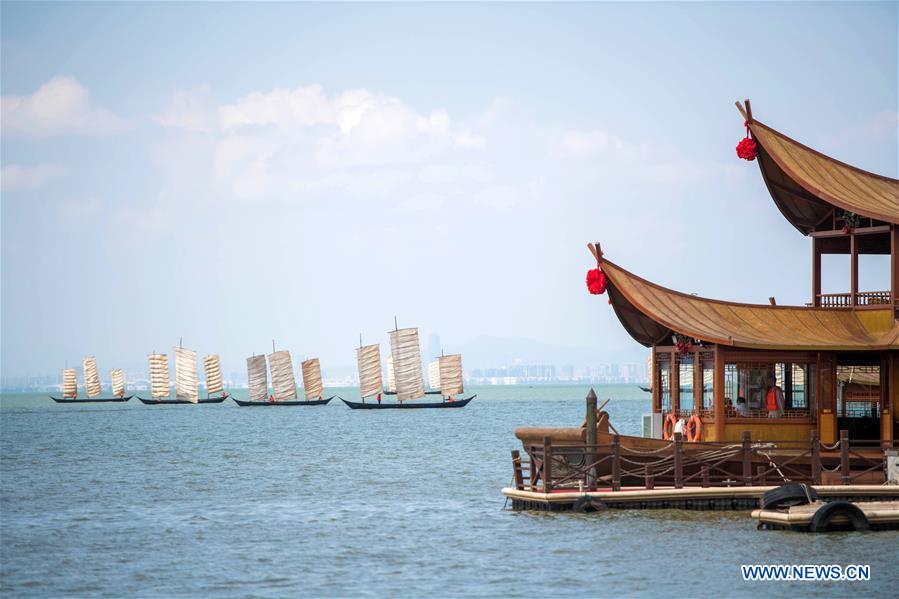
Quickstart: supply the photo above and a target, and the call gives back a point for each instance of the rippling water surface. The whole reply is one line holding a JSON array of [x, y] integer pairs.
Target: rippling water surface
[[127, 499]]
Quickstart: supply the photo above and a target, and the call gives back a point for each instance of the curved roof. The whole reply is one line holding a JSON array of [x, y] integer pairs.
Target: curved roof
[[651, 313], [806, 184]]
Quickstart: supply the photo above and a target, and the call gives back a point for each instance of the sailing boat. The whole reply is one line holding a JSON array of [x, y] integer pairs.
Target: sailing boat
[[404, 368], [283, 381], [186, 387], [91, 384]]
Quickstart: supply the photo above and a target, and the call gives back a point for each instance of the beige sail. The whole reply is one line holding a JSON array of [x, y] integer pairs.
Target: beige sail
[[212, 366], [312, 378], [69, 382], [91, 376], [391, 377], [369, 360], [186, 379], [283, 381], [117, 377], [159, 375], [406, 352], [450, 374], [257, 378], [434, 375]]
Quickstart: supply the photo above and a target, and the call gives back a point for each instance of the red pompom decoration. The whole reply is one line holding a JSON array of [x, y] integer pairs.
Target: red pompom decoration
[[596, 281], [747, 149]]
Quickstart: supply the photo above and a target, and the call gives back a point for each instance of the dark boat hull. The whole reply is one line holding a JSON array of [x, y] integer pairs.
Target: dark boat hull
[[358, 405], [93, 400], [161, 402], [314, 402]]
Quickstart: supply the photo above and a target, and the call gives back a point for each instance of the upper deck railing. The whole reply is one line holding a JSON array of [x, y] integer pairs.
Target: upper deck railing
[[863, 298]]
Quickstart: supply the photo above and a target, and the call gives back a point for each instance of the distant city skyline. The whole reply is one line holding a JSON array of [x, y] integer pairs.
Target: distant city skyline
[[306, 171]]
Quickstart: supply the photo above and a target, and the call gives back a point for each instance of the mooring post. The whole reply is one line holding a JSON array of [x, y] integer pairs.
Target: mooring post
[[844, 456], [816, 458], [705, 476], [532, 469], [650, 479], [547, 464], [616, 463], [591, 440], [747, 459], [516, 470], [678, 463]]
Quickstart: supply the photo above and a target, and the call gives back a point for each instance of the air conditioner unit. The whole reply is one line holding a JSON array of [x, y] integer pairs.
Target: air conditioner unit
[[652, 425]]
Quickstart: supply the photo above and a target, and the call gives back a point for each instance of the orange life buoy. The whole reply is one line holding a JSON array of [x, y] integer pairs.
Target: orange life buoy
[[668, 427], [694, 429]]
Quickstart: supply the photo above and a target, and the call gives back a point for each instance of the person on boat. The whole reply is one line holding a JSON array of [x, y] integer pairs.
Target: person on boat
[[680, 427], [379, 399], [741, 407], [774, 399]]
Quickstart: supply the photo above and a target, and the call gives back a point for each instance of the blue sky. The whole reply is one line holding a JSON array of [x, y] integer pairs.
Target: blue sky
[[233, 173]]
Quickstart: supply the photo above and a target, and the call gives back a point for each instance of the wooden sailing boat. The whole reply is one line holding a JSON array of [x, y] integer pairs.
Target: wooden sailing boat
[[186, 386], [283, 382], [404, 371], [91, 385]]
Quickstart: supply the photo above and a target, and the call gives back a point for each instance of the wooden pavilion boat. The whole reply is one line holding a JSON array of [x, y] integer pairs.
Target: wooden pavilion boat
[[404, 371], [283, 382], [91, 385], [767, 385], [186, 385]]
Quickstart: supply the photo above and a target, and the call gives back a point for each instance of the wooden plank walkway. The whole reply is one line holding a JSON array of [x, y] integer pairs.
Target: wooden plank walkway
[[880, 515]]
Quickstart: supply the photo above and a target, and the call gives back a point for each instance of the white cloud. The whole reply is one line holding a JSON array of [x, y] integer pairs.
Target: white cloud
[[422, 202], [450, 173], [16, 177], [467, 139], [60, 106], [498, 196], [188, 109], [590, 141], [80, 208]]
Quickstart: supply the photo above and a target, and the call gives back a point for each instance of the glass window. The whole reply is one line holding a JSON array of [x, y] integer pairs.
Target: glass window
[[708, 383], [664, 379], [685, 385], [746, 387]]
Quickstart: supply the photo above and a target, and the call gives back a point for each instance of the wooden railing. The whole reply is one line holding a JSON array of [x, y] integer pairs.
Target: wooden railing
[[864, 298], [706, 464]]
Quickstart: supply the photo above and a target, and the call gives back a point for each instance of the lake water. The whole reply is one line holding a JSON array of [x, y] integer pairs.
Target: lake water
[[134, 500]]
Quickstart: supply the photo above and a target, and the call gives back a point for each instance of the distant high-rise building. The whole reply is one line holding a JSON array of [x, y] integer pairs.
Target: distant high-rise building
[[433, 346]]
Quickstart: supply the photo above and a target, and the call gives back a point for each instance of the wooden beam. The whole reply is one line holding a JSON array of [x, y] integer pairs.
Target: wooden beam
[[853, 267], [719, 393], [894, 267], [859, 231], [816, 272]]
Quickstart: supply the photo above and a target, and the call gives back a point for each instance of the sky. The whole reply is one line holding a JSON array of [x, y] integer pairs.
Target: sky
[[235, 173]]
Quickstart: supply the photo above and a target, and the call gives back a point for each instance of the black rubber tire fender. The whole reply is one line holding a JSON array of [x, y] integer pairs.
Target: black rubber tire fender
[[826, 512], [788, 495], [588, 504]]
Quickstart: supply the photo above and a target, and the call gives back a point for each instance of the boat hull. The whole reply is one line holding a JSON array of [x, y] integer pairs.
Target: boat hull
[[163, 402], [358, 405], [92, 400], [314, 402]]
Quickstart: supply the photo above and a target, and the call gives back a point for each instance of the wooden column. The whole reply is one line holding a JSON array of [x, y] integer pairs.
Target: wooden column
[[816, 272], [894, 268], [719, 394], [674, 366], [654, 382], [853, 267]]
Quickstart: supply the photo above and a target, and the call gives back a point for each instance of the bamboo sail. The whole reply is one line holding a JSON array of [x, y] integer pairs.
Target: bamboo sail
[[312, 379], [434, 375], [159, 375], [369, 360], [91, 376], [212, 366], [69, 382], [257, 378], [117, 377], [450, 368], [283, 380], [391, 378], [406, 353], [186, 386]]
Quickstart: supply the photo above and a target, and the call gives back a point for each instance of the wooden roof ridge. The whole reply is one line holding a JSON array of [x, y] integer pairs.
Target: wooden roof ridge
[[831, 181], [647, 310]]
